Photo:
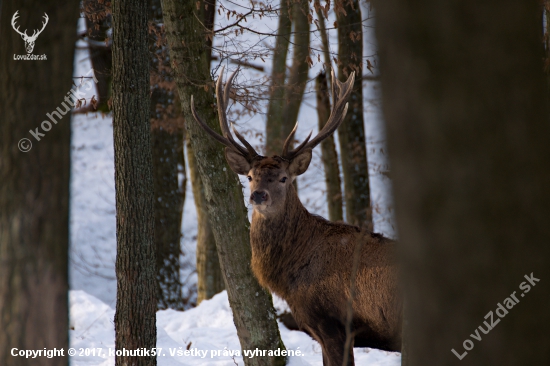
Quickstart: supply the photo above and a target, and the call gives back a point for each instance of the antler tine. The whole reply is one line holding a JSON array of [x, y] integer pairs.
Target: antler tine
[[222, 104], [341, 92], [289, 139], [339, 110], [249, 147], [303, 144], [223, 99], [334, 86], [227, 90], [227, 139], [213, 133]]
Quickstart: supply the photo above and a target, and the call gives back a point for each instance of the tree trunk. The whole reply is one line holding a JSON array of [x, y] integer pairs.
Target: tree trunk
[[328, 151], [324, 40], [252, 307], [98, 24], [209, 273], [167, 143], [34, 188], [210, 278], [297, 77], [136, 305], [286, 96], [466, 105], [351, 134], [546, 39], [168, 201], [274, 135]]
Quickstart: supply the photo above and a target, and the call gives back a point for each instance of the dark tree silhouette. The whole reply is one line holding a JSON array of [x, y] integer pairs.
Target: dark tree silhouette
[[34, 188], [466, 105], [136, 305], [168, 162], [252, 307], [287, 92], [328, 151], [353, 150], [209, 273]]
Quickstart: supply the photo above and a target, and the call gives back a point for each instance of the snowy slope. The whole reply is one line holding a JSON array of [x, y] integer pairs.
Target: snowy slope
[[209, 326], [208, 330]]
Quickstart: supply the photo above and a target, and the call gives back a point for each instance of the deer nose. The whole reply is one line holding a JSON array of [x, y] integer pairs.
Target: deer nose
[[258, 197]]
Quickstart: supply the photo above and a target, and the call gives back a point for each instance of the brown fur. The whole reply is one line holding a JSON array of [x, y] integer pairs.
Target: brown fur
[[307, 261]]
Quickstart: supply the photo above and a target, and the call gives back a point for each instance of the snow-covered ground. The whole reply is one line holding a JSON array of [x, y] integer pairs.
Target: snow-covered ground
[[206, 331], [210, 325]]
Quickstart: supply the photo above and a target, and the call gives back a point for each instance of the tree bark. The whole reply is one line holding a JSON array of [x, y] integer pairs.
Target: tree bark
[[169, 199], [297, 77], [286, 97], [329, 154], [351, 134], [546, 39], [135, 317], [274, 136], [209, 273], [168, 157], [98, 24], [252, 307], [34, 189], [324, 40], [466, 105]]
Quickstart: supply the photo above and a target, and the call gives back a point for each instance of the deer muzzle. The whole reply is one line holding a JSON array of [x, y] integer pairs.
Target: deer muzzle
[[258, 197]]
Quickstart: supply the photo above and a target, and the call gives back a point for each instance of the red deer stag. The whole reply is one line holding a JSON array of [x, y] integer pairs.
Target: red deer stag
[[306, 259]]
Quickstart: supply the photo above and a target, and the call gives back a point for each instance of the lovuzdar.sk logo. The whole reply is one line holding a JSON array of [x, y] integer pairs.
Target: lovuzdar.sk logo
[[29, 40]]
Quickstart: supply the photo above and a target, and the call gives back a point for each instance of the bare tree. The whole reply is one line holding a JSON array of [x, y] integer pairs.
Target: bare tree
[[136, 305], [34, 171], [466, 105], [275, 110], [286, 93], [352, 133], [166, 132], [209, 274], [328, 151], [546, 37], [252, 307], [168, 163], [98, 24]]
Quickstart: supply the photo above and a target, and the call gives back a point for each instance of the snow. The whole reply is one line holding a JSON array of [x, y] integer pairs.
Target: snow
[[207, 330], [210, 325]]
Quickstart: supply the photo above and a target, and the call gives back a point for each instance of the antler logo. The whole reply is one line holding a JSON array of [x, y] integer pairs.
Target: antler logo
[[29, 40]]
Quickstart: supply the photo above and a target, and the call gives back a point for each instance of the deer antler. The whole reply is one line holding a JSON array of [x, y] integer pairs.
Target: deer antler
[[222, 97], [13, 19], [340, 93]]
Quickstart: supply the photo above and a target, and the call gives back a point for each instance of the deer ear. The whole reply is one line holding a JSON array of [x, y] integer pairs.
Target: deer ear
[[237, 162], [300, 163]]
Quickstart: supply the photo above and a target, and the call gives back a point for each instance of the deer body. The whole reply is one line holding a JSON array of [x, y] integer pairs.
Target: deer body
[[308, 260]]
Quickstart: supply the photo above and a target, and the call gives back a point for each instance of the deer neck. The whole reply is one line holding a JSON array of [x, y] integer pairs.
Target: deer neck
[[276, 238], [281, 224]]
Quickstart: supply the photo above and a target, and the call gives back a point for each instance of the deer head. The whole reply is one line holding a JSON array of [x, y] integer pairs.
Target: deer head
[[271, 177], [29, 40]]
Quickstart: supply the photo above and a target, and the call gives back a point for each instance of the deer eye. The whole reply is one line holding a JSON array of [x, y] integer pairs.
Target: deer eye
[[283, 180], [249, 178]]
